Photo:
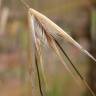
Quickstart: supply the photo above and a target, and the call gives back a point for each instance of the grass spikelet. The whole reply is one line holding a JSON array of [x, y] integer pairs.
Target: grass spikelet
[[45, 31]]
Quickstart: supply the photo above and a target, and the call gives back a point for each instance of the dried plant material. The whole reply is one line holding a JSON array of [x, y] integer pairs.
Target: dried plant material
[[50, 27], [45, 32]]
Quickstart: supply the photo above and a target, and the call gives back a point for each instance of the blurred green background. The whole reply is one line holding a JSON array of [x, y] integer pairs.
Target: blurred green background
[[76, 17]]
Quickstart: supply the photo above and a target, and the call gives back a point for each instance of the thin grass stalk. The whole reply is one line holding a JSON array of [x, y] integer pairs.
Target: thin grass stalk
[[25, 4]]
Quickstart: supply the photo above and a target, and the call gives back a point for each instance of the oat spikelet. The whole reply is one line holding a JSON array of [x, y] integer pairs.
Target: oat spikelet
[[45, 32]]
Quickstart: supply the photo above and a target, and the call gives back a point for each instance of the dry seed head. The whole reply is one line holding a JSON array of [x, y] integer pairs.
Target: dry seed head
[[48, 25]]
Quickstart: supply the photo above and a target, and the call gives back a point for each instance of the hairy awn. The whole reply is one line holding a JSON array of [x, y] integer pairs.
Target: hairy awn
[[44, 32]]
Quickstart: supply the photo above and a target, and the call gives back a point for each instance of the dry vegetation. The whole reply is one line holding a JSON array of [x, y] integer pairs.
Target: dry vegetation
[[15, 59]]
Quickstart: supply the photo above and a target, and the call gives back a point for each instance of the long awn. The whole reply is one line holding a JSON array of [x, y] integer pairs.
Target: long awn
[[44, 32]]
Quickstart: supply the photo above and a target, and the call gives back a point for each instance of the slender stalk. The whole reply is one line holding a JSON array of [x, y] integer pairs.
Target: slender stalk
[[25, 4]]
